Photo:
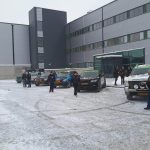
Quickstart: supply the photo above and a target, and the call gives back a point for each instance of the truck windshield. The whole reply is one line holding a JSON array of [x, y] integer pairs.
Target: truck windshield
[[138, 71]]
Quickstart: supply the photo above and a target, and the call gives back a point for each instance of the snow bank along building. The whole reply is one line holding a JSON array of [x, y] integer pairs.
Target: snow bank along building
[[117, 33]]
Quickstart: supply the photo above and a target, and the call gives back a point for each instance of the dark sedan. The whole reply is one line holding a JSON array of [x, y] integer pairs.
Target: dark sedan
[[92, 80]]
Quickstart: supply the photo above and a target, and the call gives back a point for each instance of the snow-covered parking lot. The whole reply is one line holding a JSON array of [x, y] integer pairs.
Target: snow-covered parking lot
[[34, 119]]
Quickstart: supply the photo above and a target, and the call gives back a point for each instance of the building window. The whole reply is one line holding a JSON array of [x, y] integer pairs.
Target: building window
[[134, 37], [108, 22], [121, 17], [41, 65], [40, 33], [148, 34], [41, 57], [125, 39], [105, 44], [141, 35], [40, 50], [40, 42], [148, 7], [136, 12], [39, 25], [97, 25], [39, 14]]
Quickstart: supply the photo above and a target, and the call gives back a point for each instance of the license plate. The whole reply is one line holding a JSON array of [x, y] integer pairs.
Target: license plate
[[84, 83], [142, 94]]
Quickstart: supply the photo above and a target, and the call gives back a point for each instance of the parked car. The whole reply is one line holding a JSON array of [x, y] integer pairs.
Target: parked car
[[33, 76], [64, 79], [136, 83], [92, 80], [18, 78], [42, 79]]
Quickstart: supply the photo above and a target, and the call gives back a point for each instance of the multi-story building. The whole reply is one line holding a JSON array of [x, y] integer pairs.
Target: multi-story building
[[14, 48], [47, 38], [121, 25], [117, 33]]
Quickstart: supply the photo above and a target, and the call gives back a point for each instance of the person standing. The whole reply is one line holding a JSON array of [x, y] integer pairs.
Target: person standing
[[148, 101], [51, 80], [122, 74], [29, 79], [116, 74], [24, 79], [76, 80]]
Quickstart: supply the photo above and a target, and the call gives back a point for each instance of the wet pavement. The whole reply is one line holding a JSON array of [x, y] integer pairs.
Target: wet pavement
[[34, 119]]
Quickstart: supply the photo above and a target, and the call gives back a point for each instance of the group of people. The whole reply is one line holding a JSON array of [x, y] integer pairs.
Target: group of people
[[122, 72], [75, 81], [26, 79]]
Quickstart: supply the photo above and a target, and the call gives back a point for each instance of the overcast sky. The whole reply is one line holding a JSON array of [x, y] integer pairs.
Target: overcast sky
[[16, 11]]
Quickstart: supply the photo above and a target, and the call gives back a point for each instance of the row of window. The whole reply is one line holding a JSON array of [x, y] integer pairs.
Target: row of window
[[40, 41], [115, 19], [114, 41]]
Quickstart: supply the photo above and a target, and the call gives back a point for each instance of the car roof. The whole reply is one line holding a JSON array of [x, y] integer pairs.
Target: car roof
[[142, 66]]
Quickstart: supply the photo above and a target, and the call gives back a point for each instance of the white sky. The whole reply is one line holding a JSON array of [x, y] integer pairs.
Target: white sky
[[16, 11]]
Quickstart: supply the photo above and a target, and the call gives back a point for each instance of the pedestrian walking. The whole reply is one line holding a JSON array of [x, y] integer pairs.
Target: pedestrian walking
[[51, 80], [29, 79], [76, 80], [116, 74], [24, 79], [148, 100]]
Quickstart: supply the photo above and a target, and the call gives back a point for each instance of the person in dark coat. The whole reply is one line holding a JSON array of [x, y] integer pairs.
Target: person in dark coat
[[29, 79], [76, 80], [51, 80], [116, 74], [24, 79], [129, 70], [148, 101], [122, 74]]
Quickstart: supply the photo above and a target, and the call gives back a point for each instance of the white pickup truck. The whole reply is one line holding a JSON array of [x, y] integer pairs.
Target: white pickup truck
[[136, 83]]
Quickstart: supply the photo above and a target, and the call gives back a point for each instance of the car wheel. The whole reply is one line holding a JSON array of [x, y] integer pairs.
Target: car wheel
[[37, 84], [129, 97]]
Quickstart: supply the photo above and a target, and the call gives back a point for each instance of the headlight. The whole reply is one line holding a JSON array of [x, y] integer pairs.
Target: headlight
[[136, 86], [93, 80]]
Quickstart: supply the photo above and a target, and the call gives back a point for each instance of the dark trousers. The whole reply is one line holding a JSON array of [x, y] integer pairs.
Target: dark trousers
[[51, 88], [116, 78], [29, 83], [122, 79], [75, 89], [148, 101], [24, 82]]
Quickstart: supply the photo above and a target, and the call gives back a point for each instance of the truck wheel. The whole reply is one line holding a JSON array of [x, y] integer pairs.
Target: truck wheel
[[37, 84], [129, 97]]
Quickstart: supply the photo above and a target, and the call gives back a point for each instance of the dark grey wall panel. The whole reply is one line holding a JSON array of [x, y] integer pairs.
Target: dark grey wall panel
[[54, 38], [33, 38], [6, 47]]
